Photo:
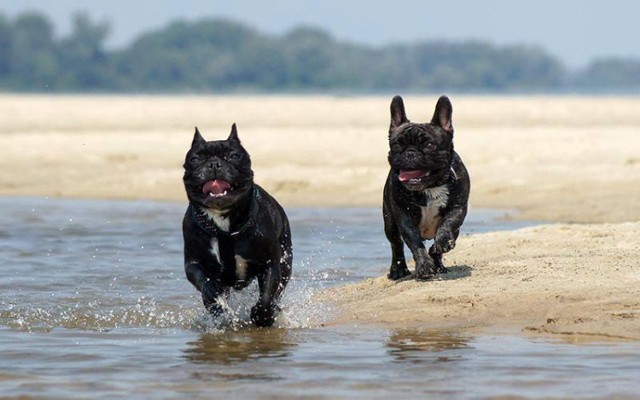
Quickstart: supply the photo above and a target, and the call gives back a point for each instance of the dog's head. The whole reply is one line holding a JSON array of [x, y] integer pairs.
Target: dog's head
[[420, 154], [217, 173]]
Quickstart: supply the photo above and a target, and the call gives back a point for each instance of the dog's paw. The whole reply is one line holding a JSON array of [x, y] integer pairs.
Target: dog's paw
[[444, 241], [210, 296], [441, 269], [213, 307], [262, 315], [397, 272], [425, 269], [424, 273]]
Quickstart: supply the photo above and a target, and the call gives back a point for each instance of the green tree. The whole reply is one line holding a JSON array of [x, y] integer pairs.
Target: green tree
[[6, 43], [33, 57], [197, 56], [216, 54], [307, 52], [82, 59], [614, 73]]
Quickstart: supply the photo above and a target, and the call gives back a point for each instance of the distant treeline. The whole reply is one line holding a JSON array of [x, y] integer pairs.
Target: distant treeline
[[219, 55]]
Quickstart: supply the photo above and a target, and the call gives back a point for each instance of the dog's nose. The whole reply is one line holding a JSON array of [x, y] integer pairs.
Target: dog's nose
[[214, 164], [411, 154]]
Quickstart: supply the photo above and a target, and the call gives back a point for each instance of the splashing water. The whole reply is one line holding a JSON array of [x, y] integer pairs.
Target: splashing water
[[110, 265]]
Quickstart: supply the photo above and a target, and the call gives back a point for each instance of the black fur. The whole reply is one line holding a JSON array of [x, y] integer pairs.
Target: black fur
[[424, 166], [248, 226]]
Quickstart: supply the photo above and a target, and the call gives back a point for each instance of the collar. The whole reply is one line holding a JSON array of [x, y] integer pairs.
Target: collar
[[202, 220]]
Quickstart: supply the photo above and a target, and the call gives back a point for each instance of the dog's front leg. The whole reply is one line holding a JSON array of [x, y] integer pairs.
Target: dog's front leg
[[263, 313], [425, 268], [210, 290], [446, 235]]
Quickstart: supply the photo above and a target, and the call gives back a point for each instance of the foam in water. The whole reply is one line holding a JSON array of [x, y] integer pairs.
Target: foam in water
[[300, 309]]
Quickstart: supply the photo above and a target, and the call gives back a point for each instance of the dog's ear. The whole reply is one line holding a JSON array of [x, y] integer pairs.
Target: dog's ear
[[198, 140], [398, 116], [233, 136], [442, 115]]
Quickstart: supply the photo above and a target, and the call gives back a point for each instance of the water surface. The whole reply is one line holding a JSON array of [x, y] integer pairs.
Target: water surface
[[94, 304]]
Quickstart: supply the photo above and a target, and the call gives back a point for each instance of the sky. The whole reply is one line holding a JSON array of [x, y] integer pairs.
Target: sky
[[574, 31]]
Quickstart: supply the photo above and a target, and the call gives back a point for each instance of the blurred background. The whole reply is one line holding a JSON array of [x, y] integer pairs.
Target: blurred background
[[198, 46]]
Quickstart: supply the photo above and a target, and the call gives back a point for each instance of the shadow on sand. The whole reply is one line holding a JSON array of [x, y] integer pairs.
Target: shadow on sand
[[453, 273]]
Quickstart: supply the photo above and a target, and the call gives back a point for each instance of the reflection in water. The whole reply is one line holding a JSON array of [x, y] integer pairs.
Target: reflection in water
[[419, 345], [231, 347]]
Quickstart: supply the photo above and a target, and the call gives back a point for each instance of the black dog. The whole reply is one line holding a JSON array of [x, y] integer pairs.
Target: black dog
[[426, 193], [234, 231]]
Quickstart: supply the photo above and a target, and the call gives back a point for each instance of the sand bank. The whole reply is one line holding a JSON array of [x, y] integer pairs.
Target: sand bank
[[566, 159], [577, 280]]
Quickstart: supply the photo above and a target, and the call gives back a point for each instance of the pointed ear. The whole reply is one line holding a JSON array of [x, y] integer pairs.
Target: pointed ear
[[198, 140], [233, 136], [442, 115], [398, 116]]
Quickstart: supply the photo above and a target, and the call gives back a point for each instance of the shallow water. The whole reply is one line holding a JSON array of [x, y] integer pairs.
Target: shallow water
[[94, 303]]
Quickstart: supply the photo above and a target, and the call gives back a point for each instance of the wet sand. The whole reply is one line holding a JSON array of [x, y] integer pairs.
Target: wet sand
[[570, 162]]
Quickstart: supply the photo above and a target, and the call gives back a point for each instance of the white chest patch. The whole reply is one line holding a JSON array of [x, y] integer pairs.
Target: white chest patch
[[241, 268], [437, 198], [221, 222]]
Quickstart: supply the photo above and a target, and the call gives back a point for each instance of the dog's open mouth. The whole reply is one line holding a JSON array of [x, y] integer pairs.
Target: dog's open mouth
[[216, 188], [413, 175]]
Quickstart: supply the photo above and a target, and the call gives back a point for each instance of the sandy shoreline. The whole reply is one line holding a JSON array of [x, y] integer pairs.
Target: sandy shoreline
[[575, 280], [554, 159]]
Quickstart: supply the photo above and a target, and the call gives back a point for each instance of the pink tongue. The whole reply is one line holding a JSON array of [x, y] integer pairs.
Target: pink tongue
[[411, 174], [216, 186]]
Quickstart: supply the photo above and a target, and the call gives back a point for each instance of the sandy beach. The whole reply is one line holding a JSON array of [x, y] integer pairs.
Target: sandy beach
[[571, 163]]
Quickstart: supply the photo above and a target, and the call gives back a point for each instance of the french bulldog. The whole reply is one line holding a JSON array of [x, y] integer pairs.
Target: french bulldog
[[234, 231], [426, 192]]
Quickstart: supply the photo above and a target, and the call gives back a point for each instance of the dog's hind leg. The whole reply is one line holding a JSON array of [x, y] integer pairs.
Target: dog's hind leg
[[398, 269], [285, 263], [270, 284]]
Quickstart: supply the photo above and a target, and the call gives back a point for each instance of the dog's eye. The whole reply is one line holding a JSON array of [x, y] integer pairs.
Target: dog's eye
[[233, 156], [194, 159], [431, 146]]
